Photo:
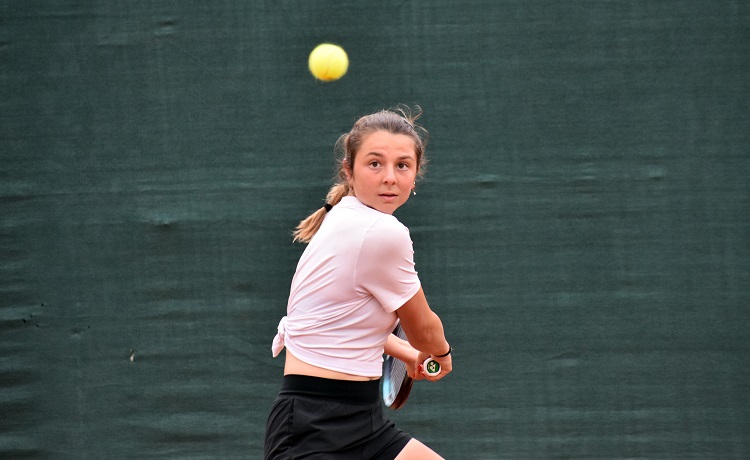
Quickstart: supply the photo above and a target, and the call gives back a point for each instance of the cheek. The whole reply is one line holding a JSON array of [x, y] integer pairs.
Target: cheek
[[410, 176]]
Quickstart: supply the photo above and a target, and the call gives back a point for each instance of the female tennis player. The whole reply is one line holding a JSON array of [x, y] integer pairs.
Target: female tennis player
[[354, 282]]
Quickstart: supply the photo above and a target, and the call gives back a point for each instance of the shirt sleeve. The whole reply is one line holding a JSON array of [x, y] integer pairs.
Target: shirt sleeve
[[385, 268]]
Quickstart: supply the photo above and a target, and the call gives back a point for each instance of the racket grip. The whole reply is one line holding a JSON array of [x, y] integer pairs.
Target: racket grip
[[431, 367]]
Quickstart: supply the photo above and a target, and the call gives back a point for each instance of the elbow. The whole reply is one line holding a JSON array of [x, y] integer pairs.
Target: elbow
[[428, 336]]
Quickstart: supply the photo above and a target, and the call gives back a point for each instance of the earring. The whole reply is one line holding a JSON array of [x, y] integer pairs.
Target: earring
[[413, 189]]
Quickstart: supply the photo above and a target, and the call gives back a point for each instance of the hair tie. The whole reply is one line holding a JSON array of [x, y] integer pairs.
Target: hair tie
[[328, 207]]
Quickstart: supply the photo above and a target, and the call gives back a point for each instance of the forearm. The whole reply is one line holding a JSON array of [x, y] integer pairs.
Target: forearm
[[429, 336], [400, 349], [422, 326]]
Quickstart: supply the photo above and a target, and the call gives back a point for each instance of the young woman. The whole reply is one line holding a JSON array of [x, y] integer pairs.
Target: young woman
[[354, 282]]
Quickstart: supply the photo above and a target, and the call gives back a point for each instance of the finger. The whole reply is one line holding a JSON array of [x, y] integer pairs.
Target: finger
[[434, 378]]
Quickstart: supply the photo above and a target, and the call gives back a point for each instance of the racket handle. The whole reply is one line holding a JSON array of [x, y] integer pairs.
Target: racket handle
[[431, 367]]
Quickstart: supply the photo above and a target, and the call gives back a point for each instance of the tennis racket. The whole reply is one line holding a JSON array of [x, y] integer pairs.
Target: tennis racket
[[396, 381]]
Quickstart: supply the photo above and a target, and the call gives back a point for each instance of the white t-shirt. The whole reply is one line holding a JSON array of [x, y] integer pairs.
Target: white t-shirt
[[353, 275]]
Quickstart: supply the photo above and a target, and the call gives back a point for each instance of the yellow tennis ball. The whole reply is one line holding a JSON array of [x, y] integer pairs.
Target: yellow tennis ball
[[328, 62]]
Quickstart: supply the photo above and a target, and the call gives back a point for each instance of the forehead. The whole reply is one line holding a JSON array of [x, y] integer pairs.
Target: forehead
[[384, 142]]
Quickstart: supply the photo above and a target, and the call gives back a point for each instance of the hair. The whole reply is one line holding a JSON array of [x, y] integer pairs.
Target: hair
[[399, 120]]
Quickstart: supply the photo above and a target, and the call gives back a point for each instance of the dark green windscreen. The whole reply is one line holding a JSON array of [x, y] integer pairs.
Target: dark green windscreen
[[583, 229]]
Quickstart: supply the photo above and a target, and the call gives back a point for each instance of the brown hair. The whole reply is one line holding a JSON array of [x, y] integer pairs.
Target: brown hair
[[400, 120]]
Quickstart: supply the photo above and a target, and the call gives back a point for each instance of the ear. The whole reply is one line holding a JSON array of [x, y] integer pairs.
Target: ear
[[346, 172]]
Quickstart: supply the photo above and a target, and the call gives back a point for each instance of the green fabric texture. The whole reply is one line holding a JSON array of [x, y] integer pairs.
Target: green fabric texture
[[582, 229]]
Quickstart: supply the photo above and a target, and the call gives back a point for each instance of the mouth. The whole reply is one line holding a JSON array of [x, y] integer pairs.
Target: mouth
[[388, 197]]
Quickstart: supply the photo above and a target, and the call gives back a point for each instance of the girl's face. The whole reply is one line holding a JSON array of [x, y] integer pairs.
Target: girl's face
[[384, 171]]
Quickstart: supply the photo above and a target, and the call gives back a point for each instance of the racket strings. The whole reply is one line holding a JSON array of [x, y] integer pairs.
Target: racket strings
[[398, 375], [397, 383]]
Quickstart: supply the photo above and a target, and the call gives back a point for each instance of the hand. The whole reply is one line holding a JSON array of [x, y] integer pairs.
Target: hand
[[446, 366], [414, 365], [414, 359]]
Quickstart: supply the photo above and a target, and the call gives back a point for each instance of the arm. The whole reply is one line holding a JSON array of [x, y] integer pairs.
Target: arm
[[401, 349], [425, 330]]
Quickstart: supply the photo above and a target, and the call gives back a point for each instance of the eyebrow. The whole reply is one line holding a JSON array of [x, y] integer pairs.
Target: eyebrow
[[402, 157]]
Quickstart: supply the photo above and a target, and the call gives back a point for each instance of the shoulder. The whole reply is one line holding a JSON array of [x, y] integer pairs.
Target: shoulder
[[388, 236], [371, 221], [387, 223]]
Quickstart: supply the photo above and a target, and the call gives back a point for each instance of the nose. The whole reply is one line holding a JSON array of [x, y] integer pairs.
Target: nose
[[390, 176]]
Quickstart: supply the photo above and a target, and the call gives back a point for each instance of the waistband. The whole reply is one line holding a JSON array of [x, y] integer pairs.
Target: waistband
[[346, 391]]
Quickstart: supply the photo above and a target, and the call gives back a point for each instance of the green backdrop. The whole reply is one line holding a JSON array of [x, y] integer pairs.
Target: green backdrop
[[583, 229]]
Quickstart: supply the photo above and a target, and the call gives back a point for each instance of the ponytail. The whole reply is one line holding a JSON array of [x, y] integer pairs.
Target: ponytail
[[310, 225]]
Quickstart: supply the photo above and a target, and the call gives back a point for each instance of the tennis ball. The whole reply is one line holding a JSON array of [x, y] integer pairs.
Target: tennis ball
[[328, 62]]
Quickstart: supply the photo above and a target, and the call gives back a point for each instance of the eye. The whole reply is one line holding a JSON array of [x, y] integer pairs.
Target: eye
[[374, 163], [403, 166]]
